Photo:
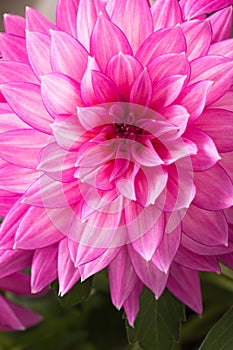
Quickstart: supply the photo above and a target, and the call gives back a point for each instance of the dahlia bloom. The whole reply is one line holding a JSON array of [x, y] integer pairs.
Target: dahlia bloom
[[12, 315], [116, 145]]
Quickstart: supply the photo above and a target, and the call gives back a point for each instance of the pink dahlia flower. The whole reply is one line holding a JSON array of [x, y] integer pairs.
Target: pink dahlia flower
[[116, 145], [12, 315]]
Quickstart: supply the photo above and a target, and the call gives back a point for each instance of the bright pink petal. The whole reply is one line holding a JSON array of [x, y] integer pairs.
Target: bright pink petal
[[131, 305], [12, 261], [68, 274], [149, 274], [16, 71], [38, 45], [21, 147], [44, 267], [25, 100], [17, 283], [122, 278], [113, 41], [227, 164], [66, 16], [194, 8], [138, 11], [160, 43], [36, 22], [14, 24], [185, 285], [218, 124], [166, 13], [123, 70], [198, 37], [198, 262], [104, 88], [214, 189], [87, 89], [88, 12], [8, 317], [207, 154], [60, 94], [224, 48], [13, 48], [141, 90], [225, 102], [221, 23], [68, 56]]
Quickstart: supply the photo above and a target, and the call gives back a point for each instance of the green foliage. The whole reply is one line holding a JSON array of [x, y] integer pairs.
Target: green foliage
[[158, 322]]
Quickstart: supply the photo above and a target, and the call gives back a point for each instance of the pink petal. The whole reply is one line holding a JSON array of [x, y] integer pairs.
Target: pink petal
[[14, 24], [176, 115], [33, 234], [150, 241], [8, 317], [227, 259], [12, 261], [112, 41], [206, 227], [145, 156], [17, 283], [214, 189], [138, 12], [68, 275], [224, 48], [87, 89], [198, 262], [193, 98], [166, 13], [168, 64], [66, 16], [160, 43], [167, 90], [149, 274], [218, 124], [227, 164], [104, 88], [68, 56], [194, 8], [213, 68], [123, 70], [60, 94], [198, 37], [167, 249], [221, 23], [38, 45], [16, 71], [36, 22], [207, 154], [122, 278], [225, 102], [185, 285], [131, 305], [25, 100], [21, 147], [13, 48], [88, 11], [141, 90], [44, 267]]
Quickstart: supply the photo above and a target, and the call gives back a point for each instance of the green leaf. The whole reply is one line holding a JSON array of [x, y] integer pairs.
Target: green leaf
[[158, 323], [221, 335]]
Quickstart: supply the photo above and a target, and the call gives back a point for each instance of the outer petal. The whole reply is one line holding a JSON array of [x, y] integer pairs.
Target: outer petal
[[44, 268], [224, 48], [185, 285], [214, 189], [160, 43], [12, 261], [198, 262], [131, 305], [218, 124], [25, 101], [166, 13], [68, 56], [60, 94], [14, 24], [198, 37], [8, 175], [88, 11], [13, 48], [138, 12], [36, 22], [122, 278], [21, 147], [221, 23], [149, 274], [66, 16], [38, 45], [194, 8], [113, 41], [16, 71]]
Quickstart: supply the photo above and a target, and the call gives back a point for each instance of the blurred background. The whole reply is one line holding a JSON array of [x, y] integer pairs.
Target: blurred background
[[46, 7]]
